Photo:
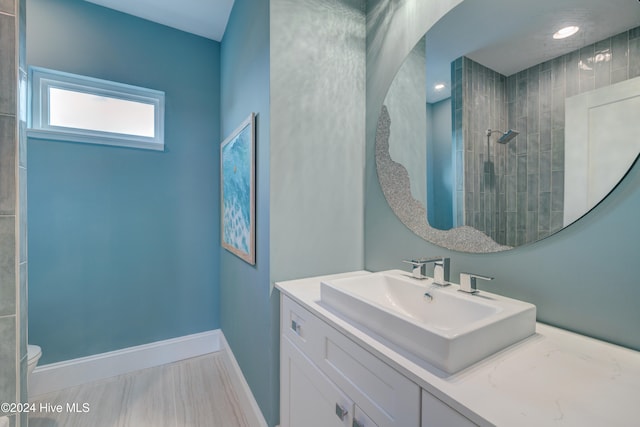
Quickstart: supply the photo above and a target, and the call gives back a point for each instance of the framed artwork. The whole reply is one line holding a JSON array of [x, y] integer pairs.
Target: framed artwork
[[237, 191]]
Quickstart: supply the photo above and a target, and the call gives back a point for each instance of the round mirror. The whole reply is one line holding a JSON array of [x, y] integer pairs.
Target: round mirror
[[509, 121]]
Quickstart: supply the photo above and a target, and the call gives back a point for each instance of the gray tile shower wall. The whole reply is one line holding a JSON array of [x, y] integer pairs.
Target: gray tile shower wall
[[13, 193], [515, 192], [458, 142], [478, 104]]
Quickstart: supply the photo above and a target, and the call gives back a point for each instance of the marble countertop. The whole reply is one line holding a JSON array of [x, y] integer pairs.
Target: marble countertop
[[554, 377]]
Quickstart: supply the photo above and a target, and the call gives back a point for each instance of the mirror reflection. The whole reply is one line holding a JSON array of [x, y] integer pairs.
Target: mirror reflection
[[529, 121]]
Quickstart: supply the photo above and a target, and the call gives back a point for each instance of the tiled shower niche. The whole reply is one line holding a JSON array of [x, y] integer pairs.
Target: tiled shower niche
[[514, 192]]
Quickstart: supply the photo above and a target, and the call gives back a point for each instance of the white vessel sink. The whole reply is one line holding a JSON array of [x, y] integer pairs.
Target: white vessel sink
[[451, 330]]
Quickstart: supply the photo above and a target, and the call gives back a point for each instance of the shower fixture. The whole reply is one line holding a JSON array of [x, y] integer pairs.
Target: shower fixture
[[505, 137]]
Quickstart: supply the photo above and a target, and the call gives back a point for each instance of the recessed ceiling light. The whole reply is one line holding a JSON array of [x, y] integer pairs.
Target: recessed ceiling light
[[439, 86], [566, 32]]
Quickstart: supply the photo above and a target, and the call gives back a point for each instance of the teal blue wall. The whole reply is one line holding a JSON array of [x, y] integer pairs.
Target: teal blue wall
[[583, 278], [248, 306], [124, 243]]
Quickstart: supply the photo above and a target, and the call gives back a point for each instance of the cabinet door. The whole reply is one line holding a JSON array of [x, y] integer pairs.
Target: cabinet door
[[307, 397], [388, 397]]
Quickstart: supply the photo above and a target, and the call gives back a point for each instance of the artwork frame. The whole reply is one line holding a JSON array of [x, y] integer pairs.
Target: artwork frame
[[237, 191]]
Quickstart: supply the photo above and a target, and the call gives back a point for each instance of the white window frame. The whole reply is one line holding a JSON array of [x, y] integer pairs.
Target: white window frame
[[42, 79]]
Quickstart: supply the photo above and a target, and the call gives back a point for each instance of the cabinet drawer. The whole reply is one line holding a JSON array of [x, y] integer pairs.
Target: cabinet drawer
[[385, 395], [301, 327], [360, 419]]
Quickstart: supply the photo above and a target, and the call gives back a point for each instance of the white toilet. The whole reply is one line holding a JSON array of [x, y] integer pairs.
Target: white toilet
[[33, 355]]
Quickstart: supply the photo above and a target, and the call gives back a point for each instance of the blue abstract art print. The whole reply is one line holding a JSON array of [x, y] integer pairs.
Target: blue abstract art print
[[237, 180]]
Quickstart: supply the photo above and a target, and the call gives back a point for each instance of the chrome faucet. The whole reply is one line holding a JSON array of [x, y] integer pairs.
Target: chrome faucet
[[468, 282], [418, 269], [440, 269]]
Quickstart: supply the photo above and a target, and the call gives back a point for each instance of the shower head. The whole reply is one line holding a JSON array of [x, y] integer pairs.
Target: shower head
[[508, 136]]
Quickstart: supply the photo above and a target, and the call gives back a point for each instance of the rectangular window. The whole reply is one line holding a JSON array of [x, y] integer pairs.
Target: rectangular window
[[70, 107]]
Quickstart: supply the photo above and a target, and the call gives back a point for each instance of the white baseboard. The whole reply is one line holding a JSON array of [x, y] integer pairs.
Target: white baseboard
[[69, 373], [247, 400]]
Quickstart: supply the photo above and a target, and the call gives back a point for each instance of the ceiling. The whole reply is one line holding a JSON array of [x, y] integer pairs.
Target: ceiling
[[206, 18], [509, 36]]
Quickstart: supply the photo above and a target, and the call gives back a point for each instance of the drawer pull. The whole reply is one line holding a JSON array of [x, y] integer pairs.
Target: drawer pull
[[295, 326], [341, 412]]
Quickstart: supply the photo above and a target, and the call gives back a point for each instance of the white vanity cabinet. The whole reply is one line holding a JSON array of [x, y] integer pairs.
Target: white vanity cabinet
[[543, 380], [328, 380]]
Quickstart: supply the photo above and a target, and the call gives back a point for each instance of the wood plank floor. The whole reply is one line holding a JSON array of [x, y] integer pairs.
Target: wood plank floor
[[192, 393]]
